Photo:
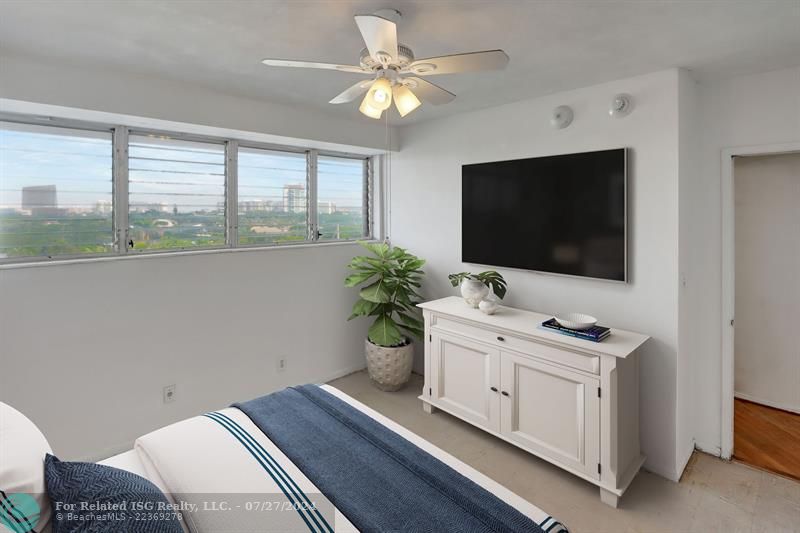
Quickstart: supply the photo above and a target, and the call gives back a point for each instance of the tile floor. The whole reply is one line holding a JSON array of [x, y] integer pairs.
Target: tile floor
[[713, 495]]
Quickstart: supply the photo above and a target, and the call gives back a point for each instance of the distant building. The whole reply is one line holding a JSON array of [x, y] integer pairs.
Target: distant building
[[146, 208], [294, 198], [102, 207], [248, 206], [40, 200], [328, 208]]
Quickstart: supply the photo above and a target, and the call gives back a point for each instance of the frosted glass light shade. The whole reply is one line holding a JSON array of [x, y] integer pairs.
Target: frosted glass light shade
[[405, 100], [379, 95], [367, 109]]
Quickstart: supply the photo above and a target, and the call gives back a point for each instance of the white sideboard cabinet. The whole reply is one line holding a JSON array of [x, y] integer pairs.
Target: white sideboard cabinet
[[569, 401]]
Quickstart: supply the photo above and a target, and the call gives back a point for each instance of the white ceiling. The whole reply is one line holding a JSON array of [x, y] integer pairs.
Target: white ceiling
[[553, 45]]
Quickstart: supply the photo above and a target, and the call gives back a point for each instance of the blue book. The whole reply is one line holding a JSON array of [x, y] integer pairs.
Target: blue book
[[595, 333]]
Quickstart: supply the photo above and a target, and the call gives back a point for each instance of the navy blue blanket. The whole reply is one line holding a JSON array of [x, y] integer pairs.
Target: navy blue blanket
[[377, 479]]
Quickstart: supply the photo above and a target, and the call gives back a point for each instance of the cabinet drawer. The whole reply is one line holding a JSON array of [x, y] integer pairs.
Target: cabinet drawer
[[586, 363]]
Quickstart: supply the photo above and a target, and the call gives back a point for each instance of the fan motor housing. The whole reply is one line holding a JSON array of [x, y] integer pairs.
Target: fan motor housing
[[405, 58]]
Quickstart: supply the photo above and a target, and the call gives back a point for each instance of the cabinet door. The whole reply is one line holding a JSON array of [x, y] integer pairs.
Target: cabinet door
[[463, 373], [551, 411]]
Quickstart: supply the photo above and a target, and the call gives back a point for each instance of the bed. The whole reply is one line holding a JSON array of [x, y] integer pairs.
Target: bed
[[223, 473]]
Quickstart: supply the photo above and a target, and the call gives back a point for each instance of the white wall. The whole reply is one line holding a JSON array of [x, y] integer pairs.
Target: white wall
[[87, 348], [758, 109], [426, 199], [689, 134], [25, 79], [767, 354]]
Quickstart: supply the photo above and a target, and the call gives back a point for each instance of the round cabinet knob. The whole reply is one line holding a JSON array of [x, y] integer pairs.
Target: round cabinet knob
[[493, 389], [504, 393], [501, 339]]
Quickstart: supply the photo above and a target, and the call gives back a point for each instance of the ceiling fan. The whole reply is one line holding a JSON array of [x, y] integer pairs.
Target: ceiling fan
[[395, 73]]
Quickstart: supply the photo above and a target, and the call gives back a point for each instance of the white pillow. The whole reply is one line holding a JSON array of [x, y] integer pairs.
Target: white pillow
[[22, 451]]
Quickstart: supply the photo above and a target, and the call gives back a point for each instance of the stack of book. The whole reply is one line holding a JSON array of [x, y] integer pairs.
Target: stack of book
[[594, 334]]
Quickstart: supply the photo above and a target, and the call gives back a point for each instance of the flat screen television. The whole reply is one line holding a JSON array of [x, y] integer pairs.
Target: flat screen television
[[562, 214]]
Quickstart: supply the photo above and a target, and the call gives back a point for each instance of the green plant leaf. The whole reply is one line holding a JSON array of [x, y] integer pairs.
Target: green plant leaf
[[494, 280], [363, 308], [381, 249], [394, 275], [356, 279], [384, 332], [413, 264], [410, 320], [416, 333], [378, 292], [456, 279]]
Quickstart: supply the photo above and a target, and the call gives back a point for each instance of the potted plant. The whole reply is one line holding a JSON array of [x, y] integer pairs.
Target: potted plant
[[389, 279], [475, 287]]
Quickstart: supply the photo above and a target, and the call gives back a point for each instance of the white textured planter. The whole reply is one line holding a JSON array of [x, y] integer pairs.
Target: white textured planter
[[473, 292], [389, 368]]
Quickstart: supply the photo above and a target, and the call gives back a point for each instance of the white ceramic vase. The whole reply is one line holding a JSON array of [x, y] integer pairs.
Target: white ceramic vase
[[389, 368], [473, 291], [489, 304]]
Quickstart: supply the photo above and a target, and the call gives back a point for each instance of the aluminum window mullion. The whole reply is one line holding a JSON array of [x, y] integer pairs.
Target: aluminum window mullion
[[119, 197], [232, 193], [312, 207], [367, 198]]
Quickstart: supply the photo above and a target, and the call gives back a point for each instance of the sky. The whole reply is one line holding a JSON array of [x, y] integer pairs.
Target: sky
[[190, 175]]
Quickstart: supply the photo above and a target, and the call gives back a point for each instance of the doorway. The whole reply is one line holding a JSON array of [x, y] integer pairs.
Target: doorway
[[766, 349]]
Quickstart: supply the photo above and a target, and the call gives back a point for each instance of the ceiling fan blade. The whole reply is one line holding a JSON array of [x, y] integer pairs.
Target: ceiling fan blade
[[428, 91], [353, 92], [380, 36], [311, 64], [470, 62]]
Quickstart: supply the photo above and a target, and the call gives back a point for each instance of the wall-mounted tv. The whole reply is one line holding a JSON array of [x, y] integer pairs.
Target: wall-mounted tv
[[562, 214]]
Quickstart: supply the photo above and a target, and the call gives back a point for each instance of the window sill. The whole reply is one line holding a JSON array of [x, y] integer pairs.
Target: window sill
[[176, 253]]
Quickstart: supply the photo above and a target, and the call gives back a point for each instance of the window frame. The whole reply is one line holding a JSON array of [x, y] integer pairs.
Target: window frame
[[234, 194], [120, 134], [140, 132], [50, 122], [367, 195]]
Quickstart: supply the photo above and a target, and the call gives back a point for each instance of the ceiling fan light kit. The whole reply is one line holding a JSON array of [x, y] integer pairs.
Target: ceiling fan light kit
[[379, 95], [394, 69], [405, 100], [368, 110]]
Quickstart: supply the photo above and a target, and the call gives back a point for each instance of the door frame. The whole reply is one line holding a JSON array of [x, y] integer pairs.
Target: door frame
[[729, 281]]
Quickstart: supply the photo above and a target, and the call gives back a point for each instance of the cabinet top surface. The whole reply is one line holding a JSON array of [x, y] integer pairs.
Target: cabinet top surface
[[620, 343]]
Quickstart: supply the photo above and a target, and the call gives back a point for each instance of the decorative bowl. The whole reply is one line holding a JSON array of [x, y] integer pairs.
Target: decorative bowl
[[577, 321]]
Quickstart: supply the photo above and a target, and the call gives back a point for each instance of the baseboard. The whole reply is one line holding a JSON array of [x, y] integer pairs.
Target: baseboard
[[665, 471], [768, 403], [710, 449], [128, 445], [341, 373]]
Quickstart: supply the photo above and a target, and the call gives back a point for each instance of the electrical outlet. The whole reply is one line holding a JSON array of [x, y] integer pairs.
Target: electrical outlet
[[281, 364], [169, 393]]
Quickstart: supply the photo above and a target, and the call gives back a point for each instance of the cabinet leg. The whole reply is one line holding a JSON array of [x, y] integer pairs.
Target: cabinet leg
[[428, 408], [609, 498]]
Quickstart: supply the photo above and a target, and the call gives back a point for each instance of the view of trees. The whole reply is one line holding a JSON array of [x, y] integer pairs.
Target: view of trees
[[56, 190]]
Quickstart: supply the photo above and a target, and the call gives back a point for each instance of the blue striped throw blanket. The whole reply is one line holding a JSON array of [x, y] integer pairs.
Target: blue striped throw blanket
[[376, 478]]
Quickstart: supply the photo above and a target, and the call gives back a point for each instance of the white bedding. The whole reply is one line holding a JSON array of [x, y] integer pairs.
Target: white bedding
[[203, 467], [127, 461]]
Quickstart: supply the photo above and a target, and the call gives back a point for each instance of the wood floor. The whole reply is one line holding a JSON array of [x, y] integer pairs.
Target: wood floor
[[767, 438]]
